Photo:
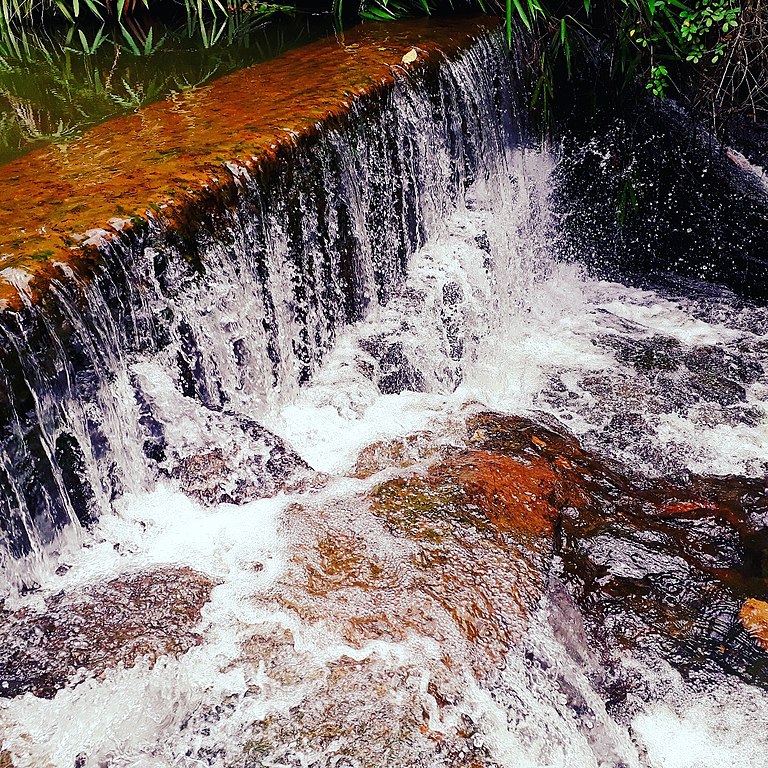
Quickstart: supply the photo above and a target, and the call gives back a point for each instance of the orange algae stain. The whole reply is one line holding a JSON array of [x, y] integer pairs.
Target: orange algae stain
[[164, 156], [513, 494], [754, 616]]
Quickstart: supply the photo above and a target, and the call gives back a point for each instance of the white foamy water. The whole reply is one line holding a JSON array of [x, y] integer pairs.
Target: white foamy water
[[486, 315]]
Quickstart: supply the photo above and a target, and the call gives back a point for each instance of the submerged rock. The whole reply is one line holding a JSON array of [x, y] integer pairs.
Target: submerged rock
[[217, 456], [259, 466], [399, 452], [80, 635]]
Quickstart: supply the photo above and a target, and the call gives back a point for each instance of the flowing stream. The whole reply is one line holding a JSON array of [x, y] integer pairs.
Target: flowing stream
[[433, 290]]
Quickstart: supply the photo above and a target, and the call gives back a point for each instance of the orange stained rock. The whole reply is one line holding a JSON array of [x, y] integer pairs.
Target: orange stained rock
[[514, 494], [754, 616], [164, 156]]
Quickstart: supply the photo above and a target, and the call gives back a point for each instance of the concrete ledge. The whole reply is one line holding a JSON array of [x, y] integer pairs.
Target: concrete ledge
[[61, 202]]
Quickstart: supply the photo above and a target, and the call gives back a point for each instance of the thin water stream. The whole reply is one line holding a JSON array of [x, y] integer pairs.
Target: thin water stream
[[513, 513]]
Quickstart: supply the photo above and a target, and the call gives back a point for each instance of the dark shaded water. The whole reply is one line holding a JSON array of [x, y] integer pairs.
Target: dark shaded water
[[55, 84]]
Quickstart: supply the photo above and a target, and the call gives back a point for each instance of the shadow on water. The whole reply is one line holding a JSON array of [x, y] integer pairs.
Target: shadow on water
[[56, 83]]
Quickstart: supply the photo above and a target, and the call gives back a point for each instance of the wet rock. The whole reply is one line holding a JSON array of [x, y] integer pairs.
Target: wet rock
[[81, 635], [217, 456], [716, 388], [399, 452], [716, 360], [458, 549], [453, 320], [394, 373], [354, 719], [622, 429], [399, 600], [74, 475], [662, 565], [659, 353], [259, 467]]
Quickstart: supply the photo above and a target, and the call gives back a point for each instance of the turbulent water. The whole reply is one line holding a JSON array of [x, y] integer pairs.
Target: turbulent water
[[668, 380]]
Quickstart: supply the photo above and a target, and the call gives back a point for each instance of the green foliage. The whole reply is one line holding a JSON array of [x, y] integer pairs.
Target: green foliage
[[716, 48], [671, 30]]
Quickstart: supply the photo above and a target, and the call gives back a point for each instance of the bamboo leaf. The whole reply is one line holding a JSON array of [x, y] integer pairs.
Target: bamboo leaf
[[94, 7], [522, 14], [131, 42], [148, 43]]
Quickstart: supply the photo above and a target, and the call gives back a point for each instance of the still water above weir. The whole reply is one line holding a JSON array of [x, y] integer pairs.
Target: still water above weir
[[350, 463]]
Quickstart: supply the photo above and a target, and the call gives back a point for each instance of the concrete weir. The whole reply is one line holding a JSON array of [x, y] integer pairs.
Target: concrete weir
[[223, 236], [170, 158]]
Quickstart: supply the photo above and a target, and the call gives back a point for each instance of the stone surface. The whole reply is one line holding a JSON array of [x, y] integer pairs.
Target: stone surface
[[81, 635], [435, 571], [256, 464], [392, 371], [457, 547], [398, 452]]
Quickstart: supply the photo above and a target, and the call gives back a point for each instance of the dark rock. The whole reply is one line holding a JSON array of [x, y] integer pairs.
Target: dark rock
[[716, 360], [451, 315], [719, 389], [74, 474], [395, 373], [257, 464], [659, 353]]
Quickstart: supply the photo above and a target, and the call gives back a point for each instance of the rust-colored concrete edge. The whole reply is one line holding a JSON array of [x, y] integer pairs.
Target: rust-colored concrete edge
[[60, 203]]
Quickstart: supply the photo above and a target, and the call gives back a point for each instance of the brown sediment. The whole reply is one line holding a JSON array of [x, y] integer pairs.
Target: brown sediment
[[59, 201]]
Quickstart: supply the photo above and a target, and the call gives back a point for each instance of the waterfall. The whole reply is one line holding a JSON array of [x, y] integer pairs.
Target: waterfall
[[348, 466], [238, 304]]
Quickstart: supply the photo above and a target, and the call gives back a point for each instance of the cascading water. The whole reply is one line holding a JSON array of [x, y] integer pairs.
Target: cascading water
[[239, 305], [406, 279]]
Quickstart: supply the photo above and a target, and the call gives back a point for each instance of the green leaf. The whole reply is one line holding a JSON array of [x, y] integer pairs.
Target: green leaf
[[522, 14], [129, 39], [94, 8], [64, 11], [148, 43]]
